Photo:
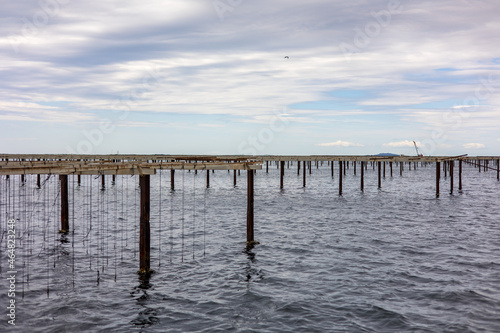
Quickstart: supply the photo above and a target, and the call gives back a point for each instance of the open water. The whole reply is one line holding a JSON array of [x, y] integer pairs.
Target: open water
[[395, 259]]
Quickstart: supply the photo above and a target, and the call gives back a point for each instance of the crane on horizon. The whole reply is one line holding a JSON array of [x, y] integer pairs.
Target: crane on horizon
[[416, 148]]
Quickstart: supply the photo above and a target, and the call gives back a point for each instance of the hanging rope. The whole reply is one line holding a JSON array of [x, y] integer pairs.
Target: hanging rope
[[182, 218], [171, 222], [115, 225], [194, 209], [159, 223], [204, 217]]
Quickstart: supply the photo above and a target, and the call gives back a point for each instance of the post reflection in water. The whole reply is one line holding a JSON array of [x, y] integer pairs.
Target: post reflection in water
[[147, 316]]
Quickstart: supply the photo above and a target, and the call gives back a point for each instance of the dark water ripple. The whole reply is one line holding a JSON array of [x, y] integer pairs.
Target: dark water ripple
[[394, 259]]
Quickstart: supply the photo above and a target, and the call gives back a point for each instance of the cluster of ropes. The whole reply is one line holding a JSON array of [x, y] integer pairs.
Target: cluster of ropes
[[104, 225]]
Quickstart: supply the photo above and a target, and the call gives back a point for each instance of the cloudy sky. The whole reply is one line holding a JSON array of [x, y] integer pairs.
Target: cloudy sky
[[250, 77]]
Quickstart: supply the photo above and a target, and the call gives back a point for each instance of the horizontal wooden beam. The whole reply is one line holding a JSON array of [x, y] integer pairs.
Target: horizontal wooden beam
[[118, 168]]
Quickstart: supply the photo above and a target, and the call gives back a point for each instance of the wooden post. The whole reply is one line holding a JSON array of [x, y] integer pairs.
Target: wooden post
[[451, 176], [332, 169], [340, 177], [438, 175], [479, 165], [38, 182], [354, 166], [401, 168], [310, 167], [304, 174], [282, 173], [384, 169], [298, 168], [114, 178], [79, 179], [390, 165], [144, 232], [345, 167], [22, 178], [208, 178], [267, 166], [362, 176], [234, 177], [379, 171], [63, 179], [250, 207], [445, 168], [498, 169], [172, 179], [103, 183], [460, 175]]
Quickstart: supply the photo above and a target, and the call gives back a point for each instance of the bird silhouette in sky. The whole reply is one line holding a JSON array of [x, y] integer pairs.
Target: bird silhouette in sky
[[286, 57]]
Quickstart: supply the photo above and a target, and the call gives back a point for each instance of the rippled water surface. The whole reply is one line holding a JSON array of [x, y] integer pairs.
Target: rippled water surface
[[395, 259]]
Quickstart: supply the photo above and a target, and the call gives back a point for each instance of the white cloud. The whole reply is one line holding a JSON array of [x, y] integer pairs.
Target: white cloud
[[235, 67], [340, 143], [404, 143], [473, 145]]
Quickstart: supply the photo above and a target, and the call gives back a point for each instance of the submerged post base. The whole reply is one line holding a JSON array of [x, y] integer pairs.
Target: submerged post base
[[146, 273]]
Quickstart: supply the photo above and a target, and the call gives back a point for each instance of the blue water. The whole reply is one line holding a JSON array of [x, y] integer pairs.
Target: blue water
[[395, 259]]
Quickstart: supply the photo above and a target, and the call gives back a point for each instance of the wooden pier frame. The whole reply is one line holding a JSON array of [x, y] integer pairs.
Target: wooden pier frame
[[146, 165]]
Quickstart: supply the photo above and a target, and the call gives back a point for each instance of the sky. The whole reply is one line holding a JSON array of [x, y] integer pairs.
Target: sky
[[316, 77]]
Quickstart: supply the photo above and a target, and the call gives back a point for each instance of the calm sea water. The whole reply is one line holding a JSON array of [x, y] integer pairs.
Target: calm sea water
[[395, 259]]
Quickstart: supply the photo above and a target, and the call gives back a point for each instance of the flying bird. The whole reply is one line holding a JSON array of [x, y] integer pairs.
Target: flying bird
[[286, 57]]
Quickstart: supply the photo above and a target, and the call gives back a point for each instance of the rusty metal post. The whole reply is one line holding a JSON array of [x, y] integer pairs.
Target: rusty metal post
[[379, 172], [340, 177], [250, 207], [63, 179], [452, 164], [282, 173], [460, 175], [362, 176], [304, 169], [438, 175], [144, 232]]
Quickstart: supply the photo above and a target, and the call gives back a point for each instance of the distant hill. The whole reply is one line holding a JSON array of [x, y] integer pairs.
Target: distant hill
[[387, 154]]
